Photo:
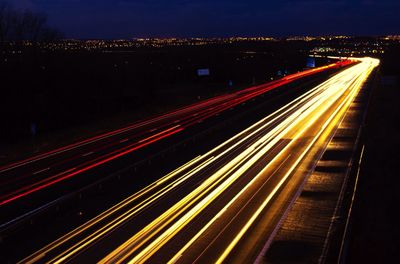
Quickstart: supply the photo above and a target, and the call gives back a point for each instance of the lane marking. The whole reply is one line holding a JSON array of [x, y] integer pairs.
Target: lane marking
[[41, 171]]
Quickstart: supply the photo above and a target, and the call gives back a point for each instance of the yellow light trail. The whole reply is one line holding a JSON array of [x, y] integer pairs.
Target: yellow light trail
[[330, 95], [92, 238], [343, 107], [313, 103]]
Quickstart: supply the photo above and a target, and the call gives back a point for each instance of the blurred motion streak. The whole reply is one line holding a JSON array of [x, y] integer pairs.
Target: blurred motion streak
[[28, 176], [285, 137]]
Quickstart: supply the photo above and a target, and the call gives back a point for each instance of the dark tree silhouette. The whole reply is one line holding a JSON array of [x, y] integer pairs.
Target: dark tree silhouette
[[4, 20], [17, 25]]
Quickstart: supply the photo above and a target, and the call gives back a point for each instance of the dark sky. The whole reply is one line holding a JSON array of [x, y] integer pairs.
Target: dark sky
[[208, 18]]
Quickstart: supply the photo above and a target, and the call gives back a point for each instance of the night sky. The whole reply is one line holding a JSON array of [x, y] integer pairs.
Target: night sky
[[209, 18]]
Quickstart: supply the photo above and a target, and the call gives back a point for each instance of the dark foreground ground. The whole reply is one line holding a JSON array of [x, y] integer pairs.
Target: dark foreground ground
[[375, 231]]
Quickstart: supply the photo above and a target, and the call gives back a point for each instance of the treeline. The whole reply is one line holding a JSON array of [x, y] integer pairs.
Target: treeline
[[19, 25]]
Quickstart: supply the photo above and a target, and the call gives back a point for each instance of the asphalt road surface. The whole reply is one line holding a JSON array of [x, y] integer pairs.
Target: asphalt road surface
[[21, 180], [224, 205]]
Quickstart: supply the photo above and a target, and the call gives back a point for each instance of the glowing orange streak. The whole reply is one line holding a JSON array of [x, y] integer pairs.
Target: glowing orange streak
[[157, 118], [88, 167]]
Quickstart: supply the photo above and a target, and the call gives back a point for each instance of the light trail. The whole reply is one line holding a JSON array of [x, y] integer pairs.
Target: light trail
[[29, 189], [344, 105], [219, 170], [187, 118], [331, 96], [143, 255], [160, 182], [184, 109], [256, 127]]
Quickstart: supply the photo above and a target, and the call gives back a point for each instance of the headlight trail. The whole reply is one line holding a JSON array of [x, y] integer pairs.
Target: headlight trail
[[161, 239], [23, 178], [258, 156]]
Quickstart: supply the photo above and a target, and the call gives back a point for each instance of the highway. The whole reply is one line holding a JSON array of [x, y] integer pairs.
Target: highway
[[21, 179], [224, 205]]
